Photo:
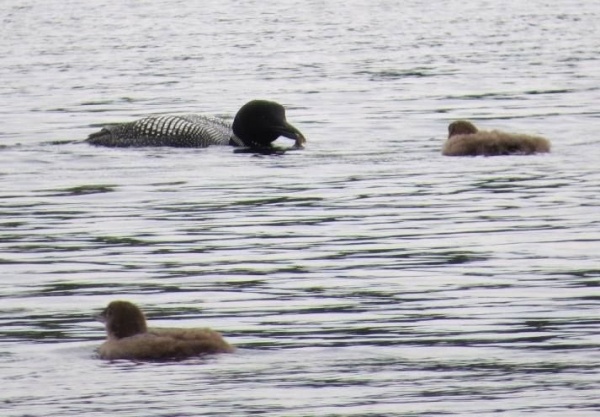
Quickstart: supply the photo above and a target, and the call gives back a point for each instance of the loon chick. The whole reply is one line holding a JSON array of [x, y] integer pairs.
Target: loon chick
[[256, 125], [129, 338], [465, 140]]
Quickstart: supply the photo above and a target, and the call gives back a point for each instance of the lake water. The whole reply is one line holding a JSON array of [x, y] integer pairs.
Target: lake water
[[365, 276]]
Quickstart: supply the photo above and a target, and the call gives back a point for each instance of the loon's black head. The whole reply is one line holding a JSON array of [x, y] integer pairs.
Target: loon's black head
[[461, 127], [260, 122], [123, 319]]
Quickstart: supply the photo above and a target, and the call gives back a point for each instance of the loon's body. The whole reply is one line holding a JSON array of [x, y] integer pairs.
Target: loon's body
[[180, 131], [256, 125], [464, 139], [128, 337]]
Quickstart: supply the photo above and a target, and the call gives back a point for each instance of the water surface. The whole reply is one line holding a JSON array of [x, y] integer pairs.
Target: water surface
[[365, 276]]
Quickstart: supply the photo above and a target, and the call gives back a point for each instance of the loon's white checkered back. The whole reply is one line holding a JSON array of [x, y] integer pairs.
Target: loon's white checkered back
[[190, 130]]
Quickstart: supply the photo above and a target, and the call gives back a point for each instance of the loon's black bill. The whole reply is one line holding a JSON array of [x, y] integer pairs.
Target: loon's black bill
[[291, 132], [101, 317]]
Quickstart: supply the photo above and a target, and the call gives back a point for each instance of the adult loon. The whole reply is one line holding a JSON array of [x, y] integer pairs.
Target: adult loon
[[464, 139], [256, 125], [128, 337]]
